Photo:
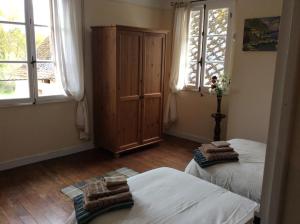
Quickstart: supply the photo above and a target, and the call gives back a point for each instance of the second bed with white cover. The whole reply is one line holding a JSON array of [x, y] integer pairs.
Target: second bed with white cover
[[244, 177]]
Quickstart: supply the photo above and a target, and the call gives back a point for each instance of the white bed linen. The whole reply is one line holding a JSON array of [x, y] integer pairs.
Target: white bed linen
[[244, 177], [165, 195]]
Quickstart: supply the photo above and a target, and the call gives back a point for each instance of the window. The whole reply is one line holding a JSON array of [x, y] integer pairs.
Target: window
[[27, 57], [208, 44]]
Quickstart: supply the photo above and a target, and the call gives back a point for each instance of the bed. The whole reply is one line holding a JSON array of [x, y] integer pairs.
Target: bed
[[165, 195], [244, 177]]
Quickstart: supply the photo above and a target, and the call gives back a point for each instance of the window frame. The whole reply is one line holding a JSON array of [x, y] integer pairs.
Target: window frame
[[31, 61], [200, 47], [209, 5]]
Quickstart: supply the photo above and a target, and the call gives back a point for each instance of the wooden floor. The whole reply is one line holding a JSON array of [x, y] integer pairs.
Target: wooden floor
[[31, 194]]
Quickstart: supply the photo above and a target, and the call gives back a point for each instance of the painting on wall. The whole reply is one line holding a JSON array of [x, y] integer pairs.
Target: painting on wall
[[261, 34]]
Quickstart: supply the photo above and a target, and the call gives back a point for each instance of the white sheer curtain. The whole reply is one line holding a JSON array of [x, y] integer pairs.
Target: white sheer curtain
[[68, 36], [178, 65]]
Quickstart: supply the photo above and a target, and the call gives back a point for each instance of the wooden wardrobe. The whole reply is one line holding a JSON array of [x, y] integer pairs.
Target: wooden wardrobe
[[128, 71]]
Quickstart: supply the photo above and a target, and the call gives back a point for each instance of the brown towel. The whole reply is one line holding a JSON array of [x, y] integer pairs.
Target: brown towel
[[220, 144], [114, 181], [99, 189], [105, 202], [220, 155], [209, 148]]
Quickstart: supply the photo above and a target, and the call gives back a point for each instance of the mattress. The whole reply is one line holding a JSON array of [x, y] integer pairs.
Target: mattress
[[244, 177], [165, 195]]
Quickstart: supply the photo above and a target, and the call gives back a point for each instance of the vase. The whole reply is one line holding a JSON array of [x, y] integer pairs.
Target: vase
[[219, 102]]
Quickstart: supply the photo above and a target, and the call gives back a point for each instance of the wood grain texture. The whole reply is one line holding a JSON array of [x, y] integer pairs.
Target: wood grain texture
[[153, 71], [105, 87], [153, 63], [130, 28], [31, 194], [129, 79], [133, 61], [129, 125]]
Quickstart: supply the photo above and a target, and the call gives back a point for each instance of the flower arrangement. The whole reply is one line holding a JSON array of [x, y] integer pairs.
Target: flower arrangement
[[220, 85]]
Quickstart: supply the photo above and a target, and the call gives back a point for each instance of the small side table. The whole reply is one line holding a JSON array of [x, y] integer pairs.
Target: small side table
[[218, 118]]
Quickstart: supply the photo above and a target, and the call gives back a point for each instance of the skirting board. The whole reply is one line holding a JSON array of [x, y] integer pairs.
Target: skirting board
[[46, 156], [188, 136]]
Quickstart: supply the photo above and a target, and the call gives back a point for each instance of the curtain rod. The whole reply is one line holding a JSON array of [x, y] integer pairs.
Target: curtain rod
[[182, 2]]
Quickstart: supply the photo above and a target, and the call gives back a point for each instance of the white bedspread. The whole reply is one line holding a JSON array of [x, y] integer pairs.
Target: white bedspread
[[244, 177], [166, 195]]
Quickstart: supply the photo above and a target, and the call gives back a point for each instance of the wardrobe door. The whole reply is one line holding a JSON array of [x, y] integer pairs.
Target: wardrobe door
[[129, 88], [153, 70]]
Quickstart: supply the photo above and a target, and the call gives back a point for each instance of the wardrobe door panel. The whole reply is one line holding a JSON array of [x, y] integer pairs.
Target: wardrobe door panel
[[152, 119], [153, 63], [129, 88], [129, 124], [129, 67], [153, 70]]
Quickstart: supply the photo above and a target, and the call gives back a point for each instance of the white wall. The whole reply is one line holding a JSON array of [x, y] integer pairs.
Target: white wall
[[253, 76], [36, 129], [194, 116]]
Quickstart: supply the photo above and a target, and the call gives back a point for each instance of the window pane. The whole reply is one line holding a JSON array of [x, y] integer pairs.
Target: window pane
[[41, 12], [12, 10], [48, 83], [43, 43], [14, 81], [194, 26], [212, 69], [216, 48], [194, 44], [218, 21], [192, 72], [12, 42], [193, 49]]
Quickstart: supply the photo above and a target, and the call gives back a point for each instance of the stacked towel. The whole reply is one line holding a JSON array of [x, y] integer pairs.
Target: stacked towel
[[108, 194], [115, 181], [203, 162], [214, 153], [220, 144], [210, 148], [101, 203], [100, 189]]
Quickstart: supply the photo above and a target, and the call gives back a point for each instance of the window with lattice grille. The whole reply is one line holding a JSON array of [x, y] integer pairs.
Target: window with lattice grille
[[208, 44]]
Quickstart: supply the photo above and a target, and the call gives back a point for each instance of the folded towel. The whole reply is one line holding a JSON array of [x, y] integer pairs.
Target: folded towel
[[220, 144], [219, 155], [98, 189], [203, 162], [105, 202], [113, 181], [210, 148], [83, 216]]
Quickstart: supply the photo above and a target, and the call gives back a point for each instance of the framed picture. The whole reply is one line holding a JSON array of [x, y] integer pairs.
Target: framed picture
[[261, 34]]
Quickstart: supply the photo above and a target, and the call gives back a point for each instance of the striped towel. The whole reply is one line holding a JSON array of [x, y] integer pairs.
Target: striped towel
[[83, 216], [98, 189], [203, 162]]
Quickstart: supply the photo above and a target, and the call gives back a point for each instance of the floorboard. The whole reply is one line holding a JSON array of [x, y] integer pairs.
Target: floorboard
[[31, 194]]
